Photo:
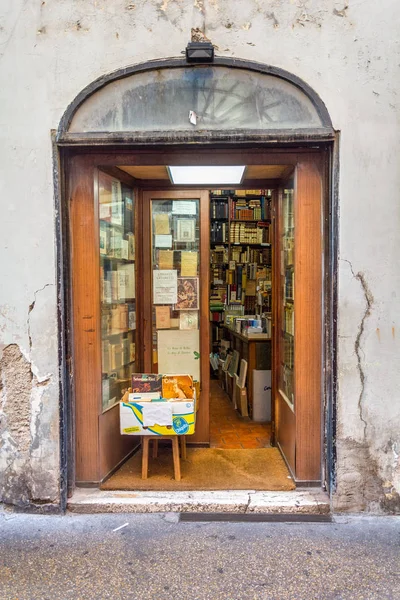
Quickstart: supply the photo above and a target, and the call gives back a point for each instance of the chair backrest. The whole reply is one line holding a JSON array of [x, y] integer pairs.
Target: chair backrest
[[242, 373]]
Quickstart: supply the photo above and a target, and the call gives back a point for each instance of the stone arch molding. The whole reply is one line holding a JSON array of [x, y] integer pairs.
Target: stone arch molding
[[171, 99]]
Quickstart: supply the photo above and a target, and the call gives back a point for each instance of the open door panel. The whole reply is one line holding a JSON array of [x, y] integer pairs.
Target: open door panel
[[298, 320]]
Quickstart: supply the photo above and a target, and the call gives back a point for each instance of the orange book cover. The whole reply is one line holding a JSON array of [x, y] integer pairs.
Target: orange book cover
[[177, 386]]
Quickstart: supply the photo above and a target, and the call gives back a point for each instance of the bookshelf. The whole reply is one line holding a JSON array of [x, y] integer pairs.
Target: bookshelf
[[287, 287], [117, 287], [240, 256]]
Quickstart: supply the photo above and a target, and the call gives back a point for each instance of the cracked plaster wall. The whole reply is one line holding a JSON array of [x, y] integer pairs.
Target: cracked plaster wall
[[349, 53]]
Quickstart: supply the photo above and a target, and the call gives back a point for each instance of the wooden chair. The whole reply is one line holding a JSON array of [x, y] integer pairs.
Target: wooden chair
[[175, 452]]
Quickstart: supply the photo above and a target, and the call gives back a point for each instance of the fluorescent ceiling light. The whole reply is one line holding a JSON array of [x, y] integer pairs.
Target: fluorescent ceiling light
[[206, 175]]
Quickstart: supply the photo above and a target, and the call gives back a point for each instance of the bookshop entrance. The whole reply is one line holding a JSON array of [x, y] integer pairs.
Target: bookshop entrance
[[202, 280], [197, 224]]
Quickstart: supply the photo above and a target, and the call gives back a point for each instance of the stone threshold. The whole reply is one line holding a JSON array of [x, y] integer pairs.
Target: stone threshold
[[311, 501]]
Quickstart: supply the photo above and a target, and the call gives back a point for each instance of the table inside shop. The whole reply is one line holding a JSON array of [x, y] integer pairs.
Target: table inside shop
[[255, 348]]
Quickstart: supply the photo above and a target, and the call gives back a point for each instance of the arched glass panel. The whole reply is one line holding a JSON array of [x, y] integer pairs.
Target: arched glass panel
[[220, 97]]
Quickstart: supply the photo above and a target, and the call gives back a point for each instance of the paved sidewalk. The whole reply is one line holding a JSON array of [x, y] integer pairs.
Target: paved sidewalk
[[157, 556]]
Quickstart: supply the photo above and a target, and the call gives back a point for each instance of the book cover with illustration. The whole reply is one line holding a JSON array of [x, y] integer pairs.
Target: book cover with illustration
[[177, 386], [146, 382]]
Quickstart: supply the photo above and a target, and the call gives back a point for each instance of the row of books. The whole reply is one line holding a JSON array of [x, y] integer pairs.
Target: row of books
[[255, 209], [289, 285], [288, 352], [244, 233], [219, 209], [117, 212], [217, 316], [117, 284], [218, 275], [288, 320], [115, 244], [240, 192], [218, 232], [119, 318], [261, 256], [219, 255], [118, 355]]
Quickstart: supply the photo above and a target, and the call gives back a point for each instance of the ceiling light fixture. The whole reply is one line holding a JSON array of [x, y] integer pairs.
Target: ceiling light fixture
[[206, 175]]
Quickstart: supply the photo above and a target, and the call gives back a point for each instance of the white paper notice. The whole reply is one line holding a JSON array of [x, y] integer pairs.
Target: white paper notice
[[157, 413], [163, 241], [165, 284], [179, 352], [184, 207]]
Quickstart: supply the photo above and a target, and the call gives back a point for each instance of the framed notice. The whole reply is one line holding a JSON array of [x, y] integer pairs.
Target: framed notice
[[184, 207], [165, 286], [185, 230], [187, 293]]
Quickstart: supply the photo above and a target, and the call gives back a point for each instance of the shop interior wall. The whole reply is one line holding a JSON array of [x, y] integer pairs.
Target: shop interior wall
[[349, 55]]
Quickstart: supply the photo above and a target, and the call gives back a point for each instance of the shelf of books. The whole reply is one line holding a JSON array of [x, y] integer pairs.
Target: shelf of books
[[240, 257], [117, 287], [287, 299]]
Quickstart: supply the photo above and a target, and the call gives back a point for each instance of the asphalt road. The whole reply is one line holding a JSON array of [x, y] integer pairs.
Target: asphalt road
[[126, 556]]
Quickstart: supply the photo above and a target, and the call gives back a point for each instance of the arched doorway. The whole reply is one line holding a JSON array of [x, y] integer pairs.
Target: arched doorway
[[141, 120]]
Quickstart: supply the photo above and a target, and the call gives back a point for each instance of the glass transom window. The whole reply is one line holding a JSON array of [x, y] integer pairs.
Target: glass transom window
[[196, 98]]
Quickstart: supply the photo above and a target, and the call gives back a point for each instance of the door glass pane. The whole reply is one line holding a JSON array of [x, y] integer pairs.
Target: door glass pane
[[175, 231], [117, 287], [286, 371]]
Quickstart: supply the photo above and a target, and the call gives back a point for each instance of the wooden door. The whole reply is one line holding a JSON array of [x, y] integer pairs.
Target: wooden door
[[176, 330], [105, 257], [298, 319]]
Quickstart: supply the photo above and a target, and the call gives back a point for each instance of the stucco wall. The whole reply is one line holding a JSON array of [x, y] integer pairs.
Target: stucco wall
[[349, 54]]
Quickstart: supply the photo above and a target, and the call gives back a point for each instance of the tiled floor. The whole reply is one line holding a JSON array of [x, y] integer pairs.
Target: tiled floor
[[228, 429]]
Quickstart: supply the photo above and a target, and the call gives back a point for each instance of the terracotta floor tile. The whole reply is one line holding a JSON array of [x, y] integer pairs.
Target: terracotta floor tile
[[228, 429], [251, 444], [266, 441], [230, 446], [230, 438]]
